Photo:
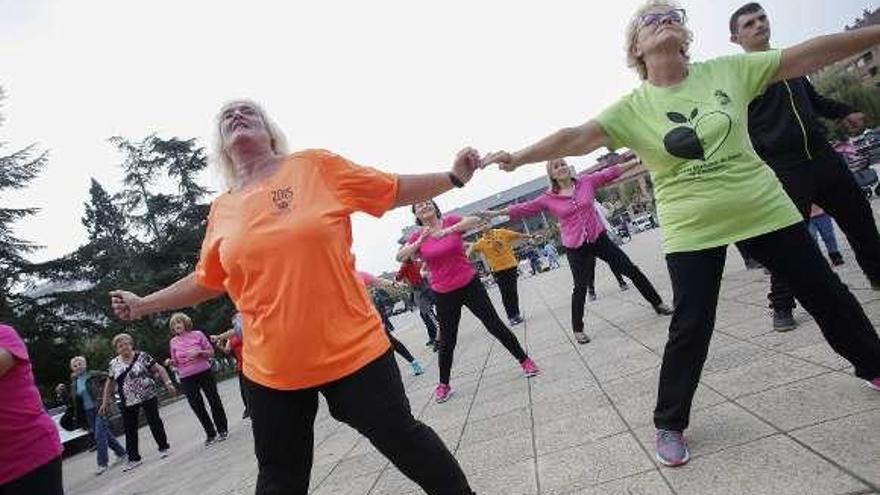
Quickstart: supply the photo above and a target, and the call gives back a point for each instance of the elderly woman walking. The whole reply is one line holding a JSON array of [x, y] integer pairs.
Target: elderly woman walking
[[191, 353], [134, 374], [86, 391]]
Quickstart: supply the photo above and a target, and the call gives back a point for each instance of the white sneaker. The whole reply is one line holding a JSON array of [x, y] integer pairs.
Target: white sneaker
[[129, 465], [117, 459], [164, 453], [100, 470]]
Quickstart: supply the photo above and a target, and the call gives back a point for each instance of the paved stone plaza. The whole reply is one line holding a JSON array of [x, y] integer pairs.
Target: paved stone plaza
[[774, 414]]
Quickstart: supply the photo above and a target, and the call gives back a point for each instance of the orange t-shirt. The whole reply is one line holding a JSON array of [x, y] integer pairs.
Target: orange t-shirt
[[282, 252]]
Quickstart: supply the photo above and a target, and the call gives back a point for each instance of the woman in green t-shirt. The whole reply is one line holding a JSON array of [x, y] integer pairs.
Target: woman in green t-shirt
[[688, 123]]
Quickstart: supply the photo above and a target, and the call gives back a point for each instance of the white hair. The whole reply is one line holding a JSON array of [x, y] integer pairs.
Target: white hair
[[632, 34], [220, 159]]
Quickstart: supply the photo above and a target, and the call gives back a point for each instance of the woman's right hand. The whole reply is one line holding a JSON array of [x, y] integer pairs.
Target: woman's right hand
[[126, 305], [504, 159], [105, 407]]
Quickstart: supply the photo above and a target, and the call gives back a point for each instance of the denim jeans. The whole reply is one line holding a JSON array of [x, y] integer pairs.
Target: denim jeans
[[103, 436]]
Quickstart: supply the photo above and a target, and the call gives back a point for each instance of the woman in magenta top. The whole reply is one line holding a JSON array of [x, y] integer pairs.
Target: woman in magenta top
[[30, 448], [191, 353], [570, 199], [439, 244]]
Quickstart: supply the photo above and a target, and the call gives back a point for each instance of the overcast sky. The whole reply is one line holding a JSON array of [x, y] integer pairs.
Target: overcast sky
[[400, 85]]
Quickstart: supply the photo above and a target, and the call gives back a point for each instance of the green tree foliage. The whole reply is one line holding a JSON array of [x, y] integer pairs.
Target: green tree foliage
[[846, 87], [141, 238]]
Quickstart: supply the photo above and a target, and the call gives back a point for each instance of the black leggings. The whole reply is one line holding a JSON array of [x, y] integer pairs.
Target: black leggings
[[582, 261], [389, 327], [826, 181], [696, 280], [193, 387], [130, 421], [45, 480], [474, 296], [372, 401], [506, 280]]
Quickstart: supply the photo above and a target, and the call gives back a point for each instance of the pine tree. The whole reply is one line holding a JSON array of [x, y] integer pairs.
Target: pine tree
[[17, 170]]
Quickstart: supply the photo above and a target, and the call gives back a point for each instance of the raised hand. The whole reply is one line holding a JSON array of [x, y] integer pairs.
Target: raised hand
[[126, 305], [466, 162], [504, 160]]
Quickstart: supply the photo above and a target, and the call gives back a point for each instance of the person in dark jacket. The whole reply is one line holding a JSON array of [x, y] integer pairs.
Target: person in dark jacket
[[86, 390], [786, 133]]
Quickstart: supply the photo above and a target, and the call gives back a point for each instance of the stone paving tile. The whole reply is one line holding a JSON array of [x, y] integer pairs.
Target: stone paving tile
[[516, 479], [761, 375], [498, 426], [770, 466], [577, 430], [649, 483], [814, 400], [492, 454], [591, 464], [852, 442]]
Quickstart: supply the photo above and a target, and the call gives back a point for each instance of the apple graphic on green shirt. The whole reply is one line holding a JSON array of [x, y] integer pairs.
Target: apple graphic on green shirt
[[684, 141]]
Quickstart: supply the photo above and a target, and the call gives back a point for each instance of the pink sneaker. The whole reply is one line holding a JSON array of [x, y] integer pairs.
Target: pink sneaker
[[875, 383], [442, 393], [529, 368]]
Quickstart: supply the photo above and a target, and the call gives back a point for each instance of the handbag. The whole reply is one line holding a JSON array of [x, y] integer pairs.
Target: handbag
[[67, 421]]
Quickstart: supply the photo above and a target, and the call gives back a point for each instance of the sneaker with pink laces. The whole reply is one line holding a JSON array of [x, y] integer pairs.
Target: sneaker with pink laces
[[529, 368], [442, 393], [875, 383]]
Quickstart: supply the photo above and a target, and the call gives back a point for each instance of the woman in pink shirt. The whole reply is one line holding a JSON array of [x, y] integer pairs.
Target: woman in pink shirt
[[454, 280], [30, 448], [570, 199], [191, 353]]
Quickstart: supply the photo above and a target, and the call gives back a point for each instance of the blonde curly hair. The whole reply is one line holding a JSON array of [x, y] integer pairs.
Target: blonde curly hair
[[632, 34]]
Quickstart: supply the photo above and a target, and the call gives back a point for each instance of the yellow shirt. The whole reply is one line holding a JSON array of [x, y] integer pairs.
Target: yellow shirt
[[497, 246]]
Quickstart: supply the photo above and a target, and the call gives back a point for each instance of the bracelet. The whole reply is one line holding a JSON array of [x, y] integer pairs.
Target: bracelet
[[455, 180]]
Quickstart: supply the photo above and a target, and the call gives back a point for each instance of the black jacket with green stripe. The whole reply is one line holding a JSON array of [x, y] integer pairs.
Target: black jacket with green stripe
[[784, 122]]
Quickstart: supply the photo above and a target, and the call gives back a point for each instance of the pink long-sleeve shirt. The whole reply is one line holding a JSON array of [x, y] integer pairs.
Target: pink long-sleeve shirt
[[183, 348], [578, 219]]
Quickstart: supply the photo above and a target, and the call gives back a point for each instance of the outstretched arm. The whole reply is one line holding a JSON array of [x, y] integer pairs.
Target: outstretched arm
[[570, 141], [463, 225], [184, 293], [816, 53], [422, 187]]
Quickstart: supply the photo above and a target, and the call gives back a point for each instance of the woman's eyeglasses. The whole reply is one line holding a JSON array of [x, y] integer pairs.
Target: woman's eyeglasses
[[676, 16]]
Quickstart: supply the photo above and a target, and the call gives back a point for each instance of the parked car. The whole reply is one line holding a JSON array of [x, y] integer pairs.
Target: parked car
[[643, 222]]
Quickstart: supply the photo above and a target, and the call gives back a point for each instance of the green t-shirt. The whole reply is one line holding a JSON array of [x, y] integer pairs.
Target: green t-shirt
[[711, 187]]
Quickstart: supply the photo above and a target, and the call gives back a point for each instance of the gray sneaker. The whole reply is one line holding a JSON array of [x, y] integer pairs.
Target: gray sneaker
[[672, 450], [129, 465], [783, 321]]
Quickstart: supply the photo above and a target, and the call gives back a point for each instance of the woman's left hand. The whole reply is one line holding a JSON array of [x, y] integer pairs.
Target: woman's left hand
[[171, 390]]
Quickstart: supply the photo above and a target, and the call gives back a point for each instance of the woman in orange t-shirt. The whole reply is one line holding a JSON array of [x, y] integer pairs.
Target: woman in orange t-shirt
[[279, 244]]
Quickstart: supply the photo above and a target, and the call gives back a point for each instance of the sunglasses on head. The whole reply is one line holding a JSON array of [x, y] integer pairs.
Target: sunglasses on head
[[676, 16]]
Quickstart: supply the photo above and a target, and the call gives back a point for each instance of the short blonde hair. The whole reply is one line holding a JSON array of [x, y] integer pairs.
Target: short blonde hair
[[632, 34], [77, 359], [122, 336], [220, 159], [180, 317]]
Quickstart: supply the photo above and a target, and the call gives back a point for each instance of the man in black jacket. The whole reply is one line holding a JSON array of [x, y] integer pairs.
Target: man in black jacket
[[787, 135]]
